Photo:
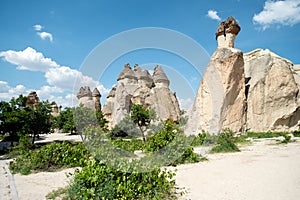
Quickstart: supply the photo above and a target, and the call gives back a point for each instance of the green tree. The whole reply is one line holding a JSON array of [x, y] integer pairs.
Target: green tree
[[85, 117], [141, 117], [65, 121], [13, 117], [39, 119]]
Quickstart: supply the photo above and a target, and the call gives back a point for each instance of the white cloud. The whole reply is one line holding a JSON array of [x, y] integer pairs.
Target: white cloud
[[71, 79], [213, 15], [45, 35], [28, 59], [38, 27], [3, 86], [7, 92], [185, 104], [285, 13], [61, 79]]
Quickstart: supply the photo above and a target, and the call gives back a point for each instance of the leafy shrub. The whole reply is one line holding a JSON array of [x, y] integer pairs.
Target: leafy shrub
[[296, 133], [199, 140], [172, 146], [129, 145], [189, 156], [51, 156], [225, 143], [117, 132], [98, 181], [287, 139], [163, 137]]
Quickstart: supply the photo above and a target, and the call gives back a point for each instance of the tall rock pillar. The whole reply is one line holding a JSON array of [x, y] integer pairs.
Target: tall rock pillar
[[220, 101]]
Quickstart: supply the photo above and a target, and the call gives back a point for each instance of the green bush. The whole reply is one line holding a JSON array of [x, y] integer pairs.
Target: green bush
[[98, 181], [129, 145], [287, 139], [51, 156], [296, 133], [225, 143]]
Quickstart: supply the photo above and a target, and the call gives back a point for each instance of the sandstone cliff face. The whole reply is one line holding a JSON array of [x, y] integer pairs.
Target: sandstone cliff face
[[273, 97], [220, 101], [137, 86]]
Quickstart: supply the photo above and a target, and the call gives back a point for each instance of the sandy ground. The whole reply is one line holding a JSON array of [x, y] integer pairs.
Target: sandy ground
[[261, 171], [37, 186]]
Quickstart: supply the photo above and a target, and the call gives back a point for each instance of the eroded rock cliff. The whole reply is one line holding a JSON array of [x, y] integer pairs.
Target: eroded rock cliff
[[138, 86]]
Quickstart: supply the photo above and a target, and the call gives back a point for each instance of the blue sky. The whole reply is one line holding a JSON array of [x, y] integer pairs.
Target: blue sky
[[44, 43]]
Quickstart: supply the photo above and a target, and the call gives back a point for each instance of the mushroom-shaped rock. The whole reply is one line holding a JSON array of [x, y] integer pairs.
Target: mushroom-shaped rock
[[96, 93], [159, 77], [122, 74], [96, 97], [226, 33], [143, 76], [32, 99], [54, 109], [84, 92]]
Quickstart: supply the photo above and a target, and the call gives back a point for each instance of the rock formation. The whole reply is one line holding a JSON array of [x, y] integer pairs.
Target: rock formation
[[227, 32], [220, 101], [89, 99], [257, 91], [273, 96], [137, 86], [55, 110], [32, 99]]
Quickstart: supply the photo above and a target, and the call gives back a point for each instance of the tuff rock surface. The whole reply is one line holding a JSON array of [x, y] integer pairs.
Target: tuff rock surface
[[55, 110], [220, 101], [138, 86], [88, 98], [273, 102], [32, 99]]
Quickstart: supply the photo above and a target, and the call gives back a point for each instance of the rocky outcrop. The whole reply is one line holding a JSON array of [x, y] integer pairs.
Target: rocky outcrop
[[273, 94], [257, 91], [55, 110], [32, 99], [220, 101], [138, 86], [89, 99], [227, 32]]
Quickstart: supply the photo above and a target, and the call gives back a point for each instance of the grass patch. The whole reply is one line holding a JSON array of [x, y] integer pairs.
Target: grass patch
[[225, 143], [61, 193], [257, 135]]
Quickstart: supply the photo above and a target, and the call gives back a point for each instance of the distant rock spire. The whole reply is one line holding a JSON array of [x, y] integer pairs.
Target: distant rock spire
[[160, 77], [32, 99]]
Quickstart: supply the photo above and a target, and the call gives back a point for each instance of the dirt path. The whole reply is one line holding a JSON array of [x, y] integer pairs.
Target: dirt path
[[260, 171]]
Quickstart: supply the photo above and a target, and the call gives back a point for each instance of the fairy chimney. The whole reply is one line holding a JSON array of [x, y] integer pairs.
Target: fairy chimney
[[226, 33]]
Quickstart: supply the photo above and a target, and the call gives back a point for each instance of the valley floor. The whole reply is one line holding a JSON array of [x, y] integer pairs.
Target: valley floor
[[262, 170]]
